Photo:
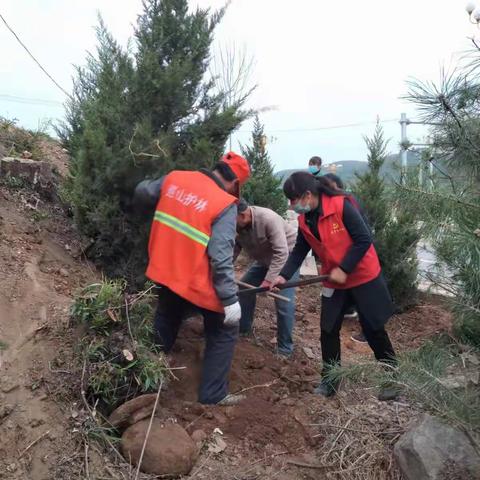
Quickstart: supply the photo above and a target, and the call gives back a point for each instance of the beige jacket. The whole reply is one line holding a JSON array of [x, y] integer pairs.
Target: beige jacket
[[269, 240]]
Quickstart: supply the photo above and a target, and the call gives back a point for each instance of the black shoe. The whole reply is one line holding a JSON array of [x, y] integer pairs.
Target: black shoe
[[326, 388], [389, 391]]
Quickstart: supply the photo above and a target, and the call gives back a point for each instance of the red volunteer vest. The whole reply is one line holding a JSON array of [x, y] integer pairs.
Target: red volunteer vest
[[180, 232], [334, 243]]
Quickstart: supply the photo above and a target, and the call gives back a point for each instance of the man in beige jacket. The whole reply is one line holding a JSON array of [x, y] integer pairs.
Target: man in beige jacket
[[268, 239]]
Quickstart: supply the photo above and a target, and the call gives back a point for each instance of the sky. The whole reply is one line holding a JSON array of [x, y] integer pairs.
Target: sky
[[316, 63]]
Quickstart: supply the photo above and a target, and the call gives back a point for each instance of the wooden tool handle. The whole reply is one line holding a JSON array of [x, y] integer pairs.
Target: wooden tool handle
[[298, 283], [270, 294]]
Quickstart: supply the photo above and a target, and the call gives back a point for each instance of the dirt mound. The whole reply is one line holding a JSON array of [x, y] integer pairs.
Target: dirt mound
[[276, 393]]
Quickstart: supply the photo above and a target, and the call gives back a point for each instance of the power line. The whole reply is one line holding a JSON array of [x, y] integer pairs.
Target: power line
[[39, 101], [34, 101], [33, 58], [330, 127]]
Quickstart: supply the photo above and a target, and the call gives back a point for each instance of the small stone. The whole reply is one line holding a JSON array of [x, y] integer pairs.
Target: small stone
[[132, 411], [209, 416], [8, 385], [218, 445], [63, 272], [309, 353], [128, 355]]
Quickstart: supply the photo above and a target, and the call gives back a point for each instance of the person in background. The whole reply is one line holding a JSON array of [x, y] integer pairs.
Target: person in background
[[337, 184], [315, 166], [268, 239], [331, 226], [190, 250]]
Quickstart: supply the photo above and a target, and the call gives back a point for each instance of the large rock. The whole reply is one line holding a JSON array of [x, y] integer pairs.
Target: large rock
[[169, 450], [133, 411], [432, 450], [36, 173]]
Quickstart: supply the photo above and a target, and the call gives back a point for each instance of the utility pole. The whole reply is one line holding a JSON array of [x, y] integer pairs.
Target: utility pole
[[420, 173], [403, 146]]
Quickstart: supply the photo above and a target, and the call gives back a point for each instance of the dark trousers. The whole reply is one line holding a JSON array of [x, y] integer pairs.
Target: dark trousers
[[374, 307], [219, 348]]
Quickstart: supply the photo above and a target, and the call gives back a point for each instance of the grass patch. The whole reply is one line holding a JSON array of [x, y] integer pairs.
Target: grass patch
[[18, 140], [122, 360], [421, 374], [13, 183]]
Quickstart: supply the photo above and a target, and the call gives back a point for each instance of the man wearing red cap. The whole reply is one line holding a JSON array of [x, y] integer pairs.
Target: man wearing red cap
[[191, 257]]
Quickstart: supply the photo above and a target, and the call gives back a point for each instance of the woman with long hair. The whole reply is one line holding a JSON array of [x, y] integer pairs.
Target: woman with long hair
[[331, 226]]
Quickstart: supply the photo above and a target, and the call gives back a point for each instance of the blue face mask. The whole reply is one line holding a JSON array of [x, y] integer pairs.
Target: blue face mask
[[300, 209], [313, 169]]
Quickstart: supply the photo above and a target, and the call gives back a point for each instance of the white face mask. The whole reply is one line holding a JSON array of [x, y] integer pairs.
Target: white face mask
[[300, 209]]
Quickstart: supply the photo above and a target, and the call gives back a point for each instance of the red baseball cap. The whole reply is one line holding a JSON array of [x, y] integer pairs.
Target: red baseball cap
[[239, 166]]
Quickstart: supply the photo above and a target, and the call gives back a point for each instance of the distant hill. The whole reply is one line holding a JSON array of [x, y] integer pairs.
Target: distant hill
[[347, 169]]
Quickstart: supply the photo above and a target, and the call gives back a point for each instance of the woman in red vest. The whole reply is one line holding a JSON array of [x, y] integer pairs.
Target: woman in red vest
[[331, 226]]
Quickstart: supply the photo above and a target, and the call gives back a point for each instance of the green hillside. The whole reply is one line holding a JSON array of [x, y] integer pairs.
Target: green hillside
[[347, 169]]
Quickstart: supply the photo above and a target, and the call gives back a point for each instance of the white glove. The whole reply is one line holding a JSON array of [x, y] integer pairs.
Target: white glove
[[232, 314]]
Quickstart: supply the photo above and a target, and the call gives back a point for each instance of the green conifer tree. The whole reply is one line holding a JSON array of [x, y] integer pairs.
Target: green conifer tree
[[449, 204], [139, 115], [393, 226], [263, 188]]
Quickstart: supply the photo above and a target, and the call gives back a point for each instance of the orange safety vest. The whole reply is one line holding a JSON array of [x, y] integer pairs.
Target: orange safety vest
[[189, 203], [335, 242]]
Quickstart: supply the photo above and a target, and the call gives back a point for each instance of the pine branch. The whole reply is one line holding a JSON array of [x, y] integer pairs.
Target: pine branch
[[449, 198]]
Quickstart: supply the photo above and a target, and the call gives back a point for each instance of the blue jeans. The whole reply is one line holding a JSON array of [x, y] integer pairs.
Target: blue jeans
[[285, 310]]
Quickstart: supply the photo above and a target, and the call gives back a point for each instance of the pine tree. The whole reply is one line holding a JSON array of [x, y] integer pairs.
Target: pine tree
[[263, 188], [450, 208], [393, 226], [139, 115]]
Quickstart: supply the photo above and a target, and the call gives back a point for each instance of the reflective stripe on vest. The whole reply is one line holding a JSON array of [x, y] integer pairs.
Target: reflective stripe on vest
[[182, 227]]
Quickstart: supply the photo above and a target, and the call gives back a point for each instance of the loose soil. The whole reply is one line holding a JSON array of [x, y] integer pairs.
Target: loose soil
[[282, 430]]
